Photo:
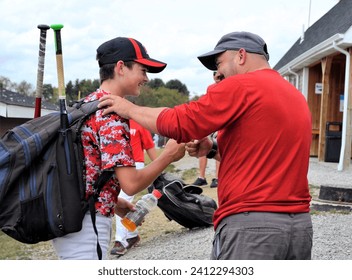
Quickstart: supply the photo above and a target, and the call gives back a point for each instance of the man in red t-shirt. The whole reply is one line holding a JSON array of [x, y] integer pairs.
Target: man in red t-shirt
[[264, 137], [141, 140]]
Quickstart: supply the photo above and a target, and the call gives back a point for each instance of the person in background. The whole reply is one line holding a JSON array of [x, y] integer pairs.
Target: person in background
[[203, 161], [263, 145], [124, 64], [141, 140]]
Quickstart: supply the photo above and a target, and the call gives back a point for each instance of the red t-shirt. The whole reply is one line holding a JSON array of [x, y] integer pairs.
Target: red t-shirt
[[106, 145], [264, 138], [141, 139]]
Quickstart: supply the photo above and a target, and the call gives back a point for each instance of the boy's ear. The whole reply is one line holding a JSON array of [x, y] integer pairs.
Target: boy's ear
[[119, 66]]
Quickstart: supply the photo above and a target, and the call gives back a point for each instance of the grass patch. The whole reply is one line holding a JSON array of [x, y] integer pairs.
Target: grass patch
[[314, 191], [11, 249], [190, 174], [329, 212]]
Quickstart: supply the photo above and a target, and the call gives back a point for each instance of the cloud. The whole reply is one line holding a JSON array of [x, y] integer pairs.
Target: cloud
[[172, 31]]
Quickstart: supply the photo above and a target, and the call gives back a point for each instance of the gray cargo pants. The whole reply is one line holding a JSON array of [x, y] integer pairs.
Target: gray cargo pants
[[263, 236]]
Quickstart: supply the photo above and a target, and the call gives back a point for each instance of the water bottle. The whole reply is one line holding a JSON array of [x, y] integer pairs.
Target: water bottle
[[143, 207]]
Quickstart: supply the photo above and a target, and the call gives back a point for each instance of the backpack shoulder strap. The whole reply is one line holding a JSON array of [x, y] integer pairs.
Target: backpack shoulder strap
[[76, 112], [81, 109]]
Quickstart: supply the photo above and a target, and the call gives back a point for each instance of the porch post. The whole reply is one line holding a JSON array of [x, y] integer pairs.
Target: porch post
[[347, 154], [326, 67]]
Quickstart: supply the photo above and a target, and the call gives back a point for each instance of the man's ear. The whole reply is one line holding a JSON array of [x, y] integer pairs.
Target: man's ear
[[242, 54]]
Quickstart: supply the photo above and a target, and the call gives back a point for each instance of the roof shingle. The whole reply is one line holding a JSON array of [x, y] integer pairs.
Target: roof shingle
[[14, 98], [336, 21]]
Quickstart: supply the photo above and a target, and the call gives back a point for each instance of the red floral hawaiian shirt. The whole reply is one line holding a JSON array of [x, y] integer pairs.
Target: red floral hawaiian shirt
[[106, 144]]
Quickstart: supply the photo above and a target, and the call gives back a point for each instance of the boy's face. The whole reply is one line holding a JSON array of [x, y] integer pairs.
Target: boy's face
[[136, 77]]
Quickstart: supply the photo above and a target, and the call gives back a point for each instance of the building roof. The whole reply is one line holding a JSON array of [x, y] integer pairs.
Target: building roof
[[336, 21], [14, 98]]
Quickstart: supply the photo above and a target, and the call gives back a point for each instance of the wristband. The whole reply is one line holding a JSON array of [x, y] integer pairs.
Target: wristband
[[213, 150]]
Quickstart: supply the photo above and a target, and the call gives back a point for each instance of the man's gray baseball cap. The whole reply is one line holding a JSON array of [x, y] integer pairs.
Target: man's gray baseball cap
[[252, 43]]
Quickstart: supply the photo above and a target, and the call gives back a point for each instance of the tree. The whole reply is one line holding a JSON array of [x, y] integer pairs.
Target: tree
[[160, 97], [25, 88], [156, 83], [195, 98], [169, 97], [146, 98], [5, 83], [85, 87], [48, 92], [176, 84], [70, 94], [81, 88], [154, 94], [95, 84]]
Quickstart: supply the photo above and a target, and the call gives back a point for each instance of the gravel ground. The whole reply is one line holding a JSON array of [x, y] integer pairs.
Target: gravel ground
[[331, 241], [332, 231], [326, 173]]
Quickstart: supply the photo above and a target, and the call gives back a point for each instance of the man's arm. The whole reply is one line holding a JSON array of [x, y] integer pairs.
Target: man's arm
[[145, 116]]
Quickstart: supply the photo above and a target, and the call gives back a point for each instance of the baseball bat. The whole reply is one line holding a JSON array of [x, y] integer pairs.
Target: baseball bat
[[60, 74], [40, 73]]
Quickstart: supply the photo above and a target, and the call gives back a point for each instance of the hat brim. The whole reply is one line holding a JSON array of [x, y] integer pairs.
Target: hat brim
[[154, 66], [208, 59]]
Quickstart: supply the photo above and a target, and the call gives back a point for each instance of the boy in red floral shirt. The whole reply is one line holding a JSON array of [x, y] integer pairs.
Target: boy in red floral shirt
[[124, 64]]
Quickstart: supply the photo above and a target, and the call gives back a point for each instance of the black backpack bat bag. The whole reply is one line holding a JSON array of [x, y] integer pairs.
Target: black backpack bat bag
[[42, 190], [184, 203]]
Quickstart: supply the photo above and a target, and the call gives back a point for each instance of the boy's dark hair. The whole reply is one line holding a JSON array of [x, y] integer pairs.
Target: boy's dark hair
[[106, 72]]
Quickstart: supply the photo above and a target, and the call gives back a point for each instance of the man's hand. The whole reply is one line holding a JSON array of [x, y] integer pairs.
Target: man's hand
[[117, 104], [199, 148], [145, 116]]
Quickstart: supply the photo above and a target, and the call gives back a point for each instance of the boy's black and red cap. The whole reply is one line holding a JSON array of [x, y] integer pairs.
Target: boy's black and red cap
[[127, 49]]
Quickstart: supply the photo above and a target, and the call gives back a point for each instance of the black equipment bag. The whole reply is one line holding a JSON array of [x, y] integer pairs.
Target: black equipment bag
[[184, 203], [42, 190]]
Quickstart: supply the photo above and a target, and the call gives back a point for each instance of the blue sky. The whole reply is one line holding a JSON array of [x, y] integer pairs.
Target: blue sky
[[175, 32]]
